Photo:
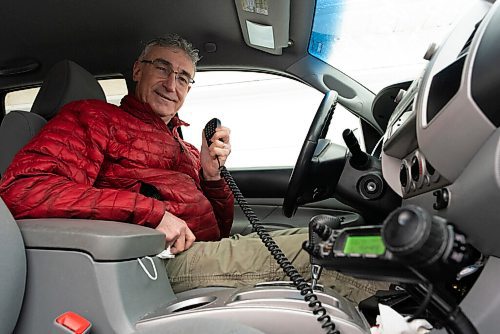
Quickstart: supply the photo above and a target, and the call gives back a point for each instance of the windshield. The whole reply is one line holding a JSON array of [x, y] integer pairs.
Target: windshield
[[379, 43]]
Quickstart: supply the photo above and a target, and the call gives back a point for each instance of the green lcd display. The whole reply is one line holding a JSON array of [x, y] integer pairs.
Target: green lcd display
[[364, 244]]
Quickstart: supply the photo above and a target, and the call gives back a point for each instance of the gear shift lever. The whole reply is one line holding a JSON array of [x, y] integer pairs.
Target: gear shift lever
[[316, 270], [320, 227]]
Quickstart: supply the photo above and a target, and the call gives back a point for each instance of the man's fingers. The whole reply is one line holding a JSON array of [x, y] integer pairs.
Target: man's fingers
[[177, 234], [179, 244], [171, 236], [183, 243], [190, 238], [221, 135], [221, 149]]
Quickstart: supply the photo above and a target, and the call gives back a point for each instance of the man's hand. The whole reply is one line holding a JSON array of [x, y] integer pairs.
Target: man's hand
[[218, 150], [177, 233]]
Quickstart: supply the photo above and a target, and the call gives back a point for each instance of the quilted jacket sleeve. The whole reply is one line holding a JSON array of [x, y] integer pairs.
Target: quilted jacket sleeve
[[222, 200], [53, 176]]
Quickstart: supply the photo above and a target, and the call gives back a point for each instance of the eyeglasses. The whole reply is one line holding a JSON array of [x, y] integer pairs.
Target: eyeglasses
[[164, 69]]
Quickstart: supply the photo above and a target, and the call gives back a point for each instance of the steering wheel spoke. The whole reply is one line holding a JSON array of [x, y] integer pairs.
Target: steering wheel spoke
[[317, 154]]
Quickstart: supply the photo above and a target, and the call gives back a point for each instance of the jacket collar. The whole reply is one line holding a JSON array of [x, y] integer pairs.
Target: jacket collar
[[143, 111]]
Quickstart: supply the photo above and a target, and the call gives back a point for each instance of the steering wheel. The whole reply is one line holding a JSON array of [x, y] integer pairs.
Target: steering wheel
[[318, 130]]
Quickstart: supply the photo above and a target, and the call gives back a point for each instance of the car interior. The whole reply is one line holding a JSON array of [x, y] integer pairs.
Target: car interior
[[412, 201]]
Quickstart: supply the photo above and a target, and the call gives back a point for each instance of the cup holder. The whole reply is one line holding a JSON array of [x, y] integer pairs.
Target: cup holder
[[190, 304]]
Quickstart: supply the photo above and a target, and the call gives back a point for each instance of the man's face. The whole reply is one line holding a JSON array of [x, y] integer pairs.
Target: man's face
[[163, 92]]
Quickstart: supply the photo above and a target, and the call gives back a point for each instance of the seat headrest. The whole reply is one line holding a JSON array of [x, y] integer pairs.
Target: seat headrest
[[65, 82]]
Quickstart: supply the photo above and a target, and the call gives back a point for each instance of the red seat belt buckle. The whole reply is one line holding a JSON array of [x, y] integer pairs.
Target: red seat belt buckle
[[74, 323]]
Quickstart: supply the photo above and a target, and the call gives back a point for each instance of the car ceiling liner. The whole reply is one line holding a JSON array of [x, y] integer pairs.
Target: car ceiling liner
[[18, 66]]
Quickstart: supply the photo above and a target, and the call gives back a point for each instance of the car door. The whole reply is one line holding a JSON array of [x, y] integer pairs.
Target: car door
[[269, 116]]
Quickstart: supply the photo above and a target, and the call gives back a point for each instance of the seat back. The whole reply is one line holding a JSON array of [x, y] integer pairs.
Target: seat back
[[65, 82], [12, 270], [16, 130]]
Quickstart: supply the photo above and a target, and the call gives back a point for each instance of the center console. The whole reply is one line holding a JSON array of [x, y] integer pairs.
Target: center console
[[94, 268]]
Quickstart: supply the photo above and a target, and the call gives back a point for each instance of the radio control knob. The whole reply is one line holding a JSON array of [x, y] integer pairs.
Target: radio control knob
[[411, 235]]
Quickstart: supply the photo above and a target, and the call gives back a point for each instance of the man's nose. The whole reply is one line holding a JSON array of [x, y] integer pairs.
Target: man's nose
[[170, 82]]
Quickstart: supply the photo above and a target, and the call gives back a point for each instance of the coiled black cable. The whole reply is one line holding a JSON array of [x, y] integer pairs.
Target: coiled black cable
[[450, 316], [300, 283]]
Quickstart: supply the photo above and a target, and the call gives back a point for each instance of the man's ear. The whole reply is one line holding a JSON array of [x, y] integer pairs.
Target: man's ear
[[136, 72]]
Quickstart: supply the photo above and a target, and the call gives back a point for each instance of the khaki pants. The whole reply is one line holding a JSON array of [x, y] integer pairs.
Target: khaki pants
[[244, 261]]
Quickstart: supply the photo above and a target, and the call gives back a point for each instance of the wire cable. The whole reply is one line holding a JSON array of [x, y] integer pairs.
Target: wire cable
[[300, 283], [452, 317]]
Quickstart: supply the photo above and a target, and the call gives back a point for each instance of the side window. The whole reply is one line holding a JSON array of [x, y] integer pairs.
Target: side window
[[23, 99], [268, 115], [20, 99]]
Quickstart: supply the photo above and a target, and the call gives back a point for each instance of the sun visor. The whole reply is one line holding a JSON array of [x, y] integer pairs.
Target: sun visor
[[265, 23]]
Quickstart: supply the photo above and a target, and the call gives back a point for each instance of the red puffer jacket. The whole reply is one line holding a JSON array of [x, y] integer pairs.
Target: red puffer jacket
[[94, 160]]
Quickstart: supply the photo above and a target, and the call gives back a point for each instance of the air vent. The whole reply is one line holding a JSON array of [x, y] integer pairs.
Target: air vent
[[444, 86]]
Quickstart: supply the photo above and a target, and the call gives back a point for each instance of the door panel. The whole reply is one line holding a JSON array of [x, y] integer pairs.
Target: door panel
[[264, 190]]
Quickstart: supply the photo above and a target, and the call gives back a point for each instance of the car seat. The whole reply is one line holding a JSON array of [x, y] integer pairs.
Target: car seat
[[65, 82]]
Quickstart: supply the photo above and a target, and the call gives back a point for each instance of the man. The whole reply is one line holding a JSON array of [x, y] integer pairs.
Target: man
[[94, 160], [128, 163]]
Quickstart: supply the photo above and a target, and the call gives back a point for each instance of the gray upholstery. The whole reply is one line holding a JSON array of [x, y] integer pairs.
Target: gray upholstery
[[12, 270], [16, 130], [65, 82]]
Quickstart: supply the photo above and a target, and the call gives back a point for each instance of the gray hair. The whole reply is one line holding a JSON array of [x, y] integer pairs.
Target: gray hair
[[176, 42]]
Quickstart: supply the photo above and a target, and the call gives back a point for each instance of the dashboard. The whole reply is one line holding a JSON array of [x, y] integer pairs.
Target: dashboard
[[441, 149]]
